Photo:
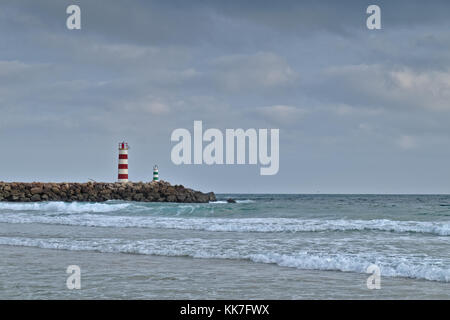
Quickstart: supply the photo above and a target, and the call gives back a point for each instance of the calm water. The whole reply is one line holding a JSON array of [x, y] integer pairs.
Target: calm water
[[264, 246]]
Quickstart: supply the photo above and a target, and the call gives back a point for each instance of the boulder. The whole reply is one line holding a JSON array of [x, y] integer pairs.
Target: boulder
[[36, 197], [36, 190]]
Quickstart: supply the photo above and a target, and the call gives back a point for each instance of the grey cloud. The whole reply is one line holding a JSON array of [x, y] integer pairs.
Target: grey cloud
[[377, 85], [344, 98], [260, 71]]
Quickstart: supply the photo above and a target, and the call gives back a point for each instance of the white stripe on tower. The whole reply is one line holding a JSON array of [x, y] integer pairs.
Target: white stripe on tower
[[123, 162]]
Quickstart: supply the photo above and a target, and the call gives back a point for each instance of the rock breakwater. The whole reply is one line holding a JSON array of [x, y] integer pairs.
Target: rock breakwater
[[160, 191]]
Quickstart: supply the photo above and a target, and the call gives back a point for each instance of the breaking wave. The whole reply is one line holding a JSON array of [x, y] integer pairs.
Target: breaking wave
[[64, 207], [401, 266], [219, 224]]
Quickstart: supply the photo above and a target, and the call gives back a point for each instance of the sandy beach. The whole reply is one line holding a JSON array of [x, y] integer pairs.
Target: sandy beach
[[33, 273]]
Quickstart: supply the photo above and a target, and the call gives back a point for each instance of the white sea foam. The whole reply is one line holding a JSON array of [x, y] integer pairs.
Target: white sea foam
[[226, 224], [352, 263], [96, 207], [391, 266], [63, 207]]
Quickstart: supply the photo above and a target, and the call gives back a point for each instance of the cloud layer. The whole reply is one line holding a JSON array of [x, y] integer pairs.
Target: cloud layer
[[358, 110]]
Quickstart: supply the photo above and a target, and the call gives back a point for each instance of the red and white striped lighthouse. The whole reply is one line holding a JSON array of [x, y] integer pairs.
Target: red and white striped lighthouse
[[123, 162]]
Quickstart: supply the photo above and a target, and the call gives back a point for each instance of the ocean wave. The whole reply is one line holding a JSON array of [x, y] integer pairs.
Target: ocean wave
[[401, 266], [229, 224], [61, 207], [353, 263], [64, 207]]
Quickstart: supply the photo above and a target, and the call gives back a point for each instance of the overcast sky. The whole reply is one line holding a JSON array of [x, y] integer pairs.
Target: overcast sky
[[359, 111]]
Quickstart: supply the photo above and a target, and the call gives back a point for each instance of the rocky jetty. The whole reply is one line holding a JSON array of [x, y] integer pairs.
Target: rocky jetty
[[160, 191]]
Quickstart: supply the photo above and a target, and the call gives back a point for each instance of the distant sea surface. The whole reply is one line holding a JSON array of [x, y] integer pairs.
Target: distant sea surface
[[262, 247]]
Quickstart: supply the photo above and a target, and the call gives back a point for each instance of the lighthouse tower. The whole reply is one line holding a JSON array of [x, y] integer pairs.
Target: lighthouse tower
[[123, 162], [155, 173]]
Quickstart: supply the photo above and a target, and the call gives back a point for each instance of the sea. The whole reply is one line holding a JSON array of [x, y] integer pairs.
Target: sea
[[264, 246]]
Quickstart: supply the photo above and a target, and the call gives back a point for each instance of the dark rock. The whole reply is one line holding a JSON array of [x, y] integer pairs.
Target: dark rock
[[160, 191], [231, 200], [35, 197], [171, 198], [36, 190], [56, 190], [212, 196]]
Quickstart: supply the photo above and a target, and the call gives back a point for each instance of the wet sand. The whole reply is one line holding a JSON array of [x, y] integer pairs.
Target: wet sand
[[35, 273]]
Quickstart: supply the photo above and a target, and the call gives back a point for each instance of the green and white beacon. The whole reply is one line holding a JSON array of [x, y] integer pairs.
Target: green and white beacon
[[155, 173]]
